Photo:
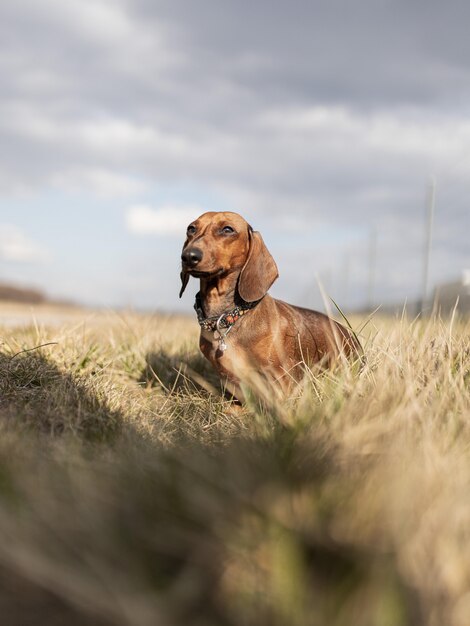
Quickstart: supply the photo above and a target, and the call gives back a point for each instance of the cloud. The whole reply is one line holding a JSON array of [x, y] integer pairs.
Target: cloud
[[323, 118], [15, 246], [165, 220], [200, 94], [105, 183]]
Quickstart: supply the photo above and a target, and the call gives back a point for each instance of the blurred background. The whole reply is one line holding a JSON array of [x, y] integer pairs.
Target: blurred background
[[339, 130]]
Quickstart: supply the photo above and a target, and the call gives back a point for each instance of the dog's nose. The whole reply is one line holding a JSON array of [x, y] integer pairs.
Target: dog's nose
[[191, 256]]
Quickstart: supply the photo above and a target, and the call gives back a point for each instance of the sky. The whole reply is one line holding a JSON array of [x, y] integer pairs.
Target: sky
[[320, 122]]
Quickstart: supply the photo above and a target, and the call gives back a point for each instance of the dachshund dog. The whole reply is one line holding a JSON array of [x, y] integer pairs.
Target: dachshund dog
[[243, 329]]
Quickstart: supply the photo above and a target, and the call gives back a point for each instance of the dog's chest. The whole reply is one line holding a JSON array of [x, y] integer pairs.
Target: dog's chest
[[225, 353]]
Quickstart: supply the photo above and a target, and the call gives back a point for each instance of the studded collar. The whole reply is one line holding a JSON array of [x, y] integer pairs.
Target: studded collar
[[226, 320]]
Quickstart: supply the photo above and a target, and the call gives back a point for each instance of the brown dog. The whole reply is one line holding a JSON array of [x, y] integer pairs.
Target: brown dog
[[242, 328]]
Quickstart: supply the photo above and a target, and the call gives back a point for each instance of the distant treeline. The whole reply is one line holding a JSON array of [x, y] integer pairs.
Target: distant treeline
[[19, 294]]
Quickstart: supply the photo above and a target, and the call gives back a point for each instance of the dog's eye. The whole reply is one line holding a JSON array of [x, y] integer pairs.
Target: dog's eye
[[191, 229], [227, 230]]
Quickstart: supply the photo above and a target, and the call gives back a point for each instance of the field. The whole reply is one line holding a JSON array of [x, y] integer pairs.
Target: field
[[133, 493]]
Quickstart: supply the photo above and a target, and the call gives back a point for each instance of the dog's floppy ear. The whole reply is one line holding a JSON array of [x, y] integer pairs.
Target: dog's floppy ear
[[259, 271], [184, 281]]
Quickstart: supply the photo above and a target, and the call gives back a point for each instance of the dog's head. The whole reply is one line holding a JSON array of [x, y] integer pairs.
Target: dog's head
[[218, 244]]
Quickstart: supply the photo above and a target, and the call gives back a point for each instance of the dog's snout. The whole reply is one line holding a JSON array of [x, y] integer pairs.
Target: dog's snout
[[191, 256]]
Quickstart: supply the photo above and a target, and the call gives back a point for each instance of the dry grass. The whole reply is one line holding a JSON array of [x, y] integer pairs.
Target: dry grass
[[129, 495]]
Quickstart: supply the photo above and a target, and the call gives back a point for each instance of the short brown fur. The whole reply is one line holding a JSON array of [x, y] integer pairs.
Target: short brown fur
[[275, 339]]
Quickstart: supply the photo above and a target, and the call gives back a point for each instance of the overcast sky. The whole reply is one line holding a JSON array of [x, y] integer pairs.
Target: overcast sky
[[120, 122]]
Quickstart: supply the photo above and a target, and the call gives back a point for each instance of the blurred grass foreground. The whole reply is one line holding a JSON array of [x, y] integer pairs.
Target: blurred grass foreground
[[131, 495]]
